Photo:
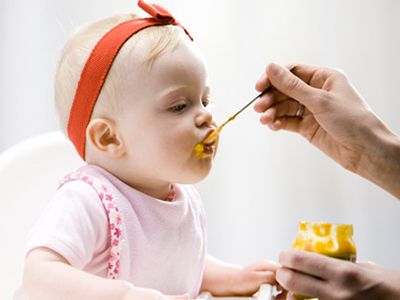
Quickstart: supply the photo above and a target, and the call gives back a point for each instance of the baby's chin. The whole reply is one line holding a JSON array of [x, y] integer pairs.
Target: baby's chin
[[194, 176]]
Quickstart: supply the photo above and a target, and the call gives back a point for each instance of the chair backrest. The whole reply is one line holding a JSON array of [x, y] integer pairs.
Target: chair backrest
[[29, 176]]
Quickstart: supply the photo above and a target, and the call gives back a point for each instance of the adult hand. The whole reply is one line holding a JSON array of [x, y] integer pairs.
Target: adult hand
[[312, 274], [336, 120]]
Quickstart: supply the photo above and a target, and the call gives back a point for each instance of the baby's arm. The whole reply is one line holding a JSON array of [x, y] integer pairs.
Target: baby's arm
[[222, 279], [47, 275]]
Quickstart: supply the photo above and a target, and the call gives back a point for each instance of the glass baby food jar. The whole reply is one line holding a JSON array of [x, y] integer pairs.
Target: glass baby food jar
[[334, 240]]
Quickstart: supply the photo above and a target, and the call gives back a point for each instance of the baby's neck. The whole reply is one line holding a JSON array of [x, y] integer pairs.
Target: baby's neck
[[158, 193], [152, 187]]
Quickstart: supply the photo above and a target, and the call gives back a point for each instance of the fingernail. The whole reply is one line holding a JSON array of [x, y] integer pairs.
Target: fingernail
[[275, 69], [262, 78]]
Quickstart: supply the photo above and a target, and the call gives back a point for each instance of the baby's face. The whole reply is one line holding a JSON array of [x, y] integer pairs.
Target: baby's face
[[166, 116]]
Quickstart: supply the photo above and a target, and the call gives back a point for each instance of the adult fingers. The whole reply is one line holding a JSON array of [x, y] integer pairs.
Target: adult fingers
[[288, 108], [301, 284], [264, 102], [313, 75], [291, 85], [268, 99], [263, 82], [286, 123], [310, 263]]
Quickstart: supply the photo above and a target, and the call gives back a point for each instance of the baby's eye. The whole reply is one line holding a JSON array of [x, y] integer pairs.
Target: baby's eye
[[177, 108], [205, 102]]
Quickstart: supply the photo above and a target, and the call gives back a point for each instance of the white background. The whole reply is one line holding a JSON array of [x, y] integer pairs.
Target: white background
[[263, 183]]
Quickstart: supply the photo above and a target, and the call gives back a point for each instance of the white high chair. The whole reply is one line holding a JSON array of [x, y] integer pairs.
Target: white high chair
[[29, 176]]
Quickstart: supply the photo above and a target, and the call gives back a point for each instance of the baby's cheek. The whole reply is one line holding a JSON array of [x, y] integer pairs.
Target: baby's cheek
[[178, 147]]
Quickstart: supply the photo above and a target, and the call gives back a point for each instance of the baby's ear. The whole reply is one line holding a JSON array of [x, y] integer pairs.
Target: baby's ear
[[102, 134]]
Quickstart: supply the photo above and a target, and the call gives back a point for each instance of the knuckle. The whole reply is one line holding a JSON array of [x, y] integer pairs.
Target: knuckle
[[347, 279], [348, 274], [292, 83], [339, 74], [288, 281], [296, 258], [323, 100]]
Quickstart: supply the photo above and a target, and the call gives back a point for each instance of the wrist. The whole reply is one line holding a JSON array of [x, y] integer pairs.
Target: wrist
[[380, 159]]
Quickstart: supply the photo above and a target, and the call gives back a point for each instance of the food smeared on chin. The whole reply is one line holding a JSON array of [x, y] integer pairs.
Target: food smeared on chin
[[199, 150], [202, 150], [208, 145]]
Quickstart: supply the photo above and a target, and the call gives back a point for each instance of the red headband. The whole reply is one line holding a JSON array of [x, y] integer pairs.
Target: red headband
[[98, 65]]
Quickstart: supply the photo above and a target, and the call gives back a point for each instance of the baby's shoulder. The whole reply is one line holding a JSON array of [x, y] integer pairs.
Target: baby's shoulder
[[76, 188], [81, 182], [78, 194]]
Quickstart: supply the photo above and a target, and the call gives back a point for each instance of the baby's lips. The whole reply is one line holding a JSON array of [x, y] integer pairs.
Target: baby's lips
[[212, 136]]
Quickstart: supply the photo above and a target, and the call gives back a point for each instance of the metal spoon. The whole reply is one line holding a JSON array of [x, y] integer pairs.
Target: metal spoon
[[212, 135]]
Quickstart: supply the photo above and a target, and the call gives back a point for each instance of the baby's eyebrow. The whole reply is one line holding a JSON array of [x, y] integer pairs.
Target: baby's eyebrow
[[171, 94], [175, 91], [179, 90]]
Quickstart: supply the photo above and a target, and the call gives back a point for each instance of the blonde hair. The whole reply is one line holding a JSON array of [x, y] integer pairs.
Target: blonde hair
[[155, 41]]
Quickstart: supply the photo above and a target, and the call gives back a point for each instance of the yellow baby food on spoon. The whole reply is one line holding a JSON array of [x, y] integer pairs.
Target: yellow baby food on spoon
[[199, 148]]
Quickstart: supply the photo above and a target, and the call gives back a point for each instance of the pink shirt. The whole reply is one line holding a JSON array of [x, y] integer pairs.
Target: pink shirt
[[165, 242]]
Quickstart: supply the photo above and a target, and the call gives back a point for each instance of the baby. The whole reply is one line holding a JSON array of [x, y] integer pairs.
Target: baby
[[132, 95]]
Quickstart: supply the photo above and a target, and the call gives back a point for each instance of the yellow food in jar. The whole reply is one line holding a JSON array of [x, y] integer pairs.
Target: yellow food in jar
[[333, 240]]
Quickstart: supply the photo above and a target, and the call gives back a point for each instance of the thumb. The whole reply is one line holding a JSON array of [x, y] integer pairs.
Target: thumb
[[289, 84]]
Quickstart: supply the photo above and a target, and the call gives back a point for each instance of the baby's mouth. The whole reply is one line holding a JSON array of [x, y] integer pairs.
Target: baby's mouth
[[208, 145], [212, 137], [202, 150]]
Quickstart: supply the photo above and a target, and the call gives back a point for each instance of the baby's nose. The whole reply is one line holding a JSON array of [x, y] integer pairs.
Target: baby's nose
[[204, 118]]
